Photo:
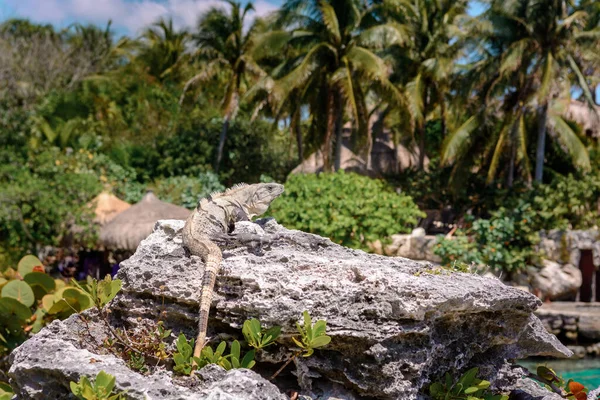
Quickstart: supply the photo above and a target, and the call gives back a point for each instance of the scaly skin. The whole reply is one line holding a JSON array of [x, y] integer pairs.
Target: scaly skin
[[214, 218]]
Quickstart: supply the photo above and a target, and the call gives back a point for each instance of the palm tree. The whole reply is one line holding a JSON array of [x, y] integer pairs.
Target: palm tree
[[532, 53], [334, 40], [163, 49], [224, 44], [425, 65]]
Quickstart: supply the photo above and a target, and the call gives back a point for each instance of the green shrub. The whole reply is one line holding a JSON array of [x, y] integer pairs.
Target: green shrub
[[350, 209], [30, 299], [186, 190], [505, 242], [568, 202]]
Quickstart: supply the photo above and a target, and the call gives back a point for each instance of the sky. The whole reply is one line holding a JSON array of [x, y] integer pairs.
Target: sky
[[128, 16]]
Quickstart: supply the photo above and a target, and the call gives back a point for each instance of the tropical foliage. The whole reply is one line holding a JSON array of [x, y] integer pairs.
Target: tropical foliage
[[481, 103]]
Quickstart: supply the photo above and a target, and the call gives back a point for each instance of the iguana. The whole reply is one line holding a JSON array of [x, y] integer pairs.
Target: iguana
[[212, 220]]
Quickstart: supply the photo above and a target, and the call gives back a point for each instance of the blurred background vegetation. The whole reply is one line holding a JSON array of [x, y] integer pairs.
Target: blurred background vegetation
[[496, 111]]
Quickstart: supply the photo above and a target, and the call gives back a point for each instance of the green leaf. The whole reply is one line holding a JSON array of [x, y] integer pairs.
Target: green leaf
[[235, 350], [20, 291], [40, 278], [297, 343], [320, 341], [468, 377], [27, 264], [307, 324], [106, 381], [221, 348], [471, 390], [248, 360], [319, 328]]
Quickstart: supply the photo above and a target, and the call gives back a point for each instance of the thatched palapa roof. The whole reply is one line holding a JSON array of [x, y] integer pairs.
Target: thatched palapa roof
[[130, 227], [107, 206]]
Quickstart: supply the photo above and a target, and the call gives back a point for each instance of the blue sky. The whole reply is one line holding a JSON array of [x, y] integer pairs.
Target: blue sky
[[128, 16]]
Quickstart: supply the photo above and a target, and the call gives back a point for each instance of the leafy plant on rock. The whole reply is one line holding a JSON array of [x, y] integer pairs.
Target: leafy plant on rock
[[467, 387], [312, 336], [185, 363], [101, 389]]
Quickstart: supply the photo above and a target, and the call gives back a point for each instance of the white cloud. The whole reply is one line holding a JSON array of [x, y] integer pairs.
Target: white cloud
[[129, 16]]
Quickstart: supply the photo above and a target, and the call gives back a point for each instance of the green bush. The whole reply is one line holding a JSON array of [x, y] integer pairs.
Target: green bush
[[30, 299], [350, 209], [568, 202], [505, 242], [40, 196], [186, 190], [252, 148]]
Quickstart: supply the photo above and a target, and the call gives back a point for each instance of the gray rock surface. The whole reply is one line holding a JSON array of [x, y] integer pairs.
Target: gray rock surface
[[557, 282], [395, 324], [43, 366], [415, 246], [565, 246]]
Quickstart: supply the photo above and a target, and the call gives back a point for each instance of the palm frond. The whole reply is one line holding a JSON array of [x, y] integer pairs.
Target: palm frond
[[330, 20], [569, 139], [498, 150], [456, 143], [384, 35]]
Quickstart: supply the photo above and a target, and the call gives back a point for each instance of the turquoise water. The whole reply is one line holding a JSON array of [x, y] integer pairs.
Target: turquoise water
[[586, 371]]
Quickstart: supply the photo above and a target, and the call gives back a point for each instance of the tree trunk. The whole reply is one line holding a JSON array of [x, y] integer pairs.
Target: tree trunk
[[541, 143], [339, 122], [297, 129], [331, 114], [511, 166], [222, 138], [422, 132], [443, 116]]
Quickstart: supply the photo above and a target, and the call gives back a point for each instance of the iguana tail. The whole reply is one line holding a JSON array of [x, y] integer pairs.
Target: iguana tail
[[211, 269]]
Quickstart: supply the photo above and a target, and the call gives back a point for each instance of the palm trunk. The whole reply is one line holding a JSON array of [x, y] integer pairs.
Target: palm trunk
[[339, 121], [443, 112], [422, 132], [511, 167], [331, 113], [296, 128], [222, 138], [541, 143]]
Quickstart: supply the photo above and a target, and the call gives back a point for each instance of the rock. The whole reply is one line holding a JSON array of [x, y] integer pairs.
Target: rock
[[556, 282], [416, 246], [43, 366], [511, 379], [566, 246], [418, 232], [395, 326], [589, 326]]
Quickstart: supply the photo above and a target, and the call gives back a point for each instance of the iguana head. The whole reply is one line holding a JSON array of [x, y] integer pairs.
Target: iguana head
[[259, 197]]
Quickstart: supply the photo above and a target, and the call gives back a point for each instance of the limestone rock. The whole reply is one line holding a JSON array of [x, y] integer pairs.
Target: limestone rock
[[416, 246], [43, 366], [566, 246], [556, 282], [395, 326]]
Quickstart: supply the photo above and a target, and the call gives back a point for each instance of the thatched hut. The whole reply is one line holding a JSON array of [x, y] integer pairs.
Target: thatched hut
[[130, 227], [106, 207]]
